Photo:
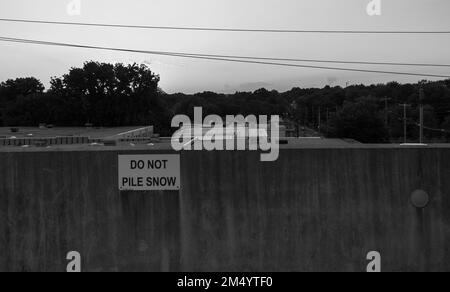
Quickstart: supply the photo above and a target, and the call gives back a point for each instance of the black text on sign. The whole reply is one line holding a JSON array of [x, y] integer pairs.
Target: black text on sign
[[149, 172]]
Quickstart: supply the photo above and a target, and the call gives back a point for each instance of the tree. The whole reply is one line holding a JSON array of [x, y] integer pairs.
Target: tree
[[113, 95], [128, 95], [446, 124], [13, 89], [361, 121], [33, 109]]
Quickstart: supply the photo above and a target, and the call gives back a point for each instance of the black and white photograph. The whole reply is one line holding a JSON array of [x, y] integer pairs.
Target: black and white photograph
[[224, 143]]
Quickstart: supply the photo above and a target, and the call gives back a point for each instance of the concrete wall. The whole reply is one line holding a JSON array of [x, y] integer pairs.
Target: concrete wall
[[312, 210]]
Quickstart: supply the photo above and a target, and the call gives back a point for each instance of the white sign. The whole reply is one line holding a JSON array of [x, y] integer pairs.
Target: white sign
[[149, 172]]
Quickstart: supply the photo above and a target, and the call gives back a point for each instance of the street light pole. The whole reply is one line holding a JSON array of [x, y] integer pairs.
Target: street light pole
[[320, 120], [386, 116], [421, 98], [405, 139]]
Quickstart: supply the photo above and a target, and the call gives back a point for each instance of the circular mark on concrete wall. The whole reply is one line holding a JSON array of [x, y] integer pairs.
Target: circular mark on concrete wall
[[420, 198]]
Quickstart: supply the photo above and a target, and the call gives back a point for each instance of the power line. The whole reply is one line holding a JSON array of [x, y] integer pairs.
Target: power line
[[314, 60], [206, 57], [336, 61], [413, 123], [433, 129], [227, 29]]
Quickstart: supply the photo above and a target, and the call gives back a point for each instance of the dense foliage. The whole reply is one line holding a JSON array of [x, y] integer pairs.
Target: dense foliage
[[99, 94], [126, 95]]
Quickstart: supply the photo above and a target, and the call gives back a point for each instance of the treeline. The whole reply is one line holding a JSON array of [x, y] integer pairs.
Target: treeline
[[370, 114], [108, 95], [99, 94]]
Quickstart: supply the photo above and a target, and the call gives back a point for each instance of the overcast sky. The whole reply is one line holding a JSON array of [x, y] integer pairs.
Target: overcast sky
[[183, 75]]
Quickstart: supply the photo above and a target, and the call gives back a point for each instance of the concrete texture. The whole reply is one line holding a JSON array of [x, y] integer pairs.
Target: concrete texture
[[315, 209]]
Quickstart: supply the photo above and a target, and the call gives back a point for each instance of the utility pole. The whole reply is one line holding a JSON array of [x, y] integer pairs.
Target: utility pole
[[421, 98], [306, 116], [386, 117], [405, 139], [328, 116], [319, 120]]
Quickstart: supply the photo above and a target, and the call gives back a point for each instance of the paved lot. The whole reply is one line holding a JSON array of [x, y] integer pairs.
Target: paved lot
[[28, 132]]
